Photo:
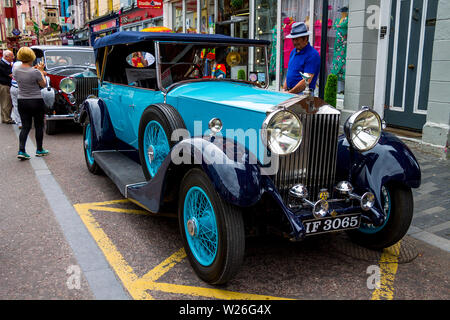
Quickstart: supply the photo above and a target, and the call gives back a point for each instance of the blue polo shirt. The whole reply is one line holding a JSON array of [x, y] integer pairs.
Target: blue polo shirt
[[305, 61]]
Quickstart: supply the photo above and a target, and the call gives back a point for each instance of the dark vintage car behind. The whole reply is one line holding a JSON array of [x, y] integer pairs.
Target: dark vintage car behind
[[73, 77]]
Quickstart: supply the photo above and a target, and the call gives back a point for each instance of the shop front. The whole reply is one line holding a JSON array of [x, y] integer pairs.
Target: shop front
[[272, 20], [103, 26], [137, 19], [81, 37], [27, 40]]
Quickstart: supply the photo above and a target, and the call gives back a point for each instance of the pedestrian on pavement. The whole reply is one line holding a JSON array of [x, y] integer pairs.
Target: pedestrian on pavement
[[14, 94], [303, 58], [5, 85], [30, 103]]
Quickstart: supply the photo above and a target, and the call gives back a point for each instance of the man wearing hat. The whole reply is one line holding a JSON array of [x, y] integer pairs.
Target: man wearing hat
[[303, 58]]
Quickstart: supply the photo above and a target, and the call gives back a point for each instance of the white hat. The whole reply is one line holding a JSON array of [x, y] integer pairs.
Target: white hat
[[299, 29]]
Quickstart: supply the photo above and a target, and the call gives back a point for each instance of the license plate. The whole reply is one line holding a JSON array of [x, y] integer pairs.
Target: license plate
[[331, 224]]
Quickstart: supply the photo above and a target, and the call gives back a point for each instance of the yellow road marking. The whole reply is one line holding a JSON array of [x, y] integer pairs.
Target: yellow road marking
[[388, 269], [164, 266], [139, 287], [115, 259]]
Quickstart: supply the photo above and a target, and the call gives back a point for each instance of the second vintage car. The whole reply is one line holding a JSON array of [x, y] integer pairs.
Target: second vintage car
[[73, 77], [184, 123]]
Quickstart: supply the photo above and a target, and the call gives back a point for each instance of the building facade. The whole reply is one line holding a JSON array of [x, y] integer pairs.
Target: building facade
[[390, 55], [9, 32], [398, 67]]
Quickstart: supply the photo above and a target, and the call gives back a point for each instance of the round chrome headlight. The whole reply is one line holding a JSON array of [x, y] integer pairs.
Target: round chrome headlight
[[363, 129], [282, 132], [67, 85]]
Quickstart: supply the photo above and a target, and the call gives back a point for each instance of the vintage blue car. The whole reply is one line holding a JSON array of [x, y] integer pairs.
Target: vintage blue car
[[184, 123]]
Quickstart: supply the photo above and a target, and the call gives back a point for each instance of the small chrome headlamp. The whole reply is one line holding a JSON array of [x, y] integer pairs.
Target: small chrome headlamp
[[67, 85], [282, 132], [363, 129], [71, 98]]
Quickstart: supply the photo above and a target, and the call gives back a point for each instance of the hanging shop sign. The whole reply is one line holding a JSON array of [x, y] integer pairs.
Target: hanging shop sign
[[140, 15], [105, 25], [156, 4]]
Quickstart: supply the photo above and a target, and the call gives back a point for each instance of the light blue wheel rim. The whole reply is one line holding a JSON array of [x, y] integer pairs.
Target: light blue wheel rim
[[155, 139], [386, 202], [88, 144], [198, 208]]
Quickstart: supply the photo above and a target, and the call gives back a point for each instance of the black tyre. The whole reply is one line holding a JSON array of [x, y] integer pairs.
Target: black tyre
[[87, 147], [212, 230], [155, 131], [398, 205], [50, 127]]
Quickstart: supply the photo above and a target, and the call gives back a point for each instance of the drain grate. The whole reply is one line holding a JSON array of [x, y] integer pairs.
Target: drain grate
[[342, 244]]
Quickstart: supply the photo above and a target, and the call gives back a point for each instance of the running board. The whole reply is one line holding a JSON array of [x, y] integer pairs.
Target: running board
[[130, 180], [122, 170]]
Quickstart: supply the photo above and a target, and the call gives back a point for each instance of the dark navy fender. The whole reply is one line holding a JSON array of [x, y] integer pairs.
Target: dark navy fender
[[234, 172], [389, 161], [103, 136]]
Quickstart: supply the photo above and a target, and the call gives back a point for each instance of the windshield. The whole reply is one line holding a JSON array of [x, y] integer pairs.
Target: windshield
[[59, 58], [187, 61]]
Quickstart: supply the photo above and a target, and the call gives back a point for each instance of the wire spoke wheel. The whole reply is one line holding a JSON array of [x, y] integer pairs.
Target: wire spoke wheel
[[156, 146], [212, 230], [200, 226], [157, 125], [386, 203], [88, 144], [88, 147], [398, 206]]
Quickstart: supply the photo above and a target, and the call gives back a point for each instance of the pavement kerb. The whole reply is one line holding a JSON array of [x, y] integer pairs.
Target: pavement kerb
[[101, 278]]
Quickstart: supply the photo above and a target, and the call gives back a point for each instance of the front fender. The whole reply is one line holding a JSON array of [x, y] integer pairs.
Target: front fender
[[233, 170], [103, 135], [389, 161]]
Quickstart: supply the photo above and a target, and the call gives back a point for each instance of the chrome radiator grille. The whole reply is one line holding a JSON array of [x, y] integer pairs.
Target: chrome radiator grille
[[314, 162], [85, 87]]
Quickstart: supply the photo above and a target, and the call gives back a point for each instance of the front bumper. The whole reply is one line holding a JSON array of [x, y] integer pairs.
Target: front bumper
[[297, 211]]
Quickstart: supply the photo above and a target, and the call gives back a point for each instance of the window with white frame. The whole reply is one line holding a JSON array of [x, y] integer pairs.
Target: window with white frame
[[8, 3]]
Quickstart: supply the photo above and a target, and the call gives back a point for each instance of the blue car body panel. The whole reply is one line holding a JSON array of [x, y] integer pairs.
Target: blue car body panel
[[201, 100]]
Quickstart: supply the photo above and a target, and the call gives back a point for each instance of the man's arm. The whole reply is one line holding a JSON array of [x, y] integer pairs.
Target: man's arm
[[300, 86]]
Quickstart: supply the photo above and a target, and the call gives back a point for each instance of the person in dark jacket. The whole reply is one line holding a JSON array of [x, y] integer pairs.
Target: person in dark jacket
[[5, 85]]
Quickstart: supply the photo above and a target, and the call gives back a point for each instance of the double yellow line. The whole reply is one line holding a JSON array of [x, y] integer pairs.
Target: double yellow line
[[388, 269], [139, 287]]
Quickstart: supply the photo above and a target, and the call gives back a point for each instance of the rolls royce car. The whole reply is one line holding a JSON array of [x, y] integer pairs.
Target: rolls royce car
[[185, 124], [73, 77]]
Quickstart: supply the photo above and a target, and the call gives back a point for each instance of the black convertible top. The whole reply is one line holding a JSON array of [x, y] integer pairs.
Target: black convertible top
[[124, 37]]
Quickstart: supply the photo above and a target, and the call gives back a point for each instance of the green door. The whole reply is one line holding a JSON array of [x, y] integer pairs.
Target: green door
[[409, 62]]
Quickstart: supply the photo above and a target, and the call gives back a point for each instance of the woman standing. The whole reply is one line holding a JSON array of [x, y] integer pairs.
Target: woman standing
[[30, 103]]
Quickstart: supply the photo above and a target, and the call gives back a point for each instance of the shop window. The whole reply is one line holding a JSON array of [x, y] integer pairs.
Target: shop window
[[207, 16], [266, 29], [296, 11], [233, 18], [177, 16], [191, 16]]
